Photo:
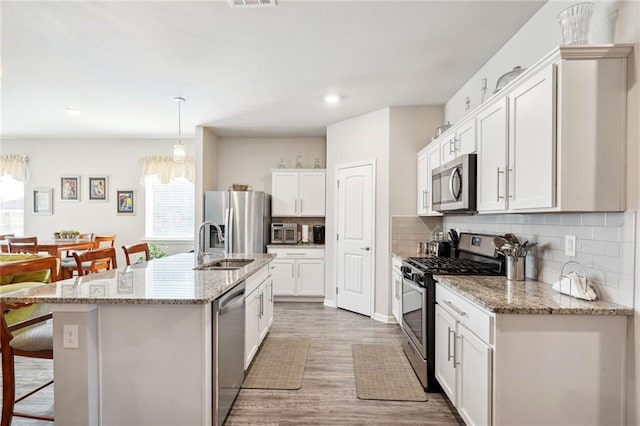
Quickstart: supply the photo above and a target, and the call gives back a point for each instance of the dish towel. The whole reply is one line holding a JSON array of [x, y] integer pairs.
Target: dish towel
[[576, 286]]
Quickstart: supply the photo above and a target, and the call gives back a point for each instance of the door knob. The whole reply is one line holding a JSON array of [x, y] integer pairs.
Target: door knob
[[365, 248]]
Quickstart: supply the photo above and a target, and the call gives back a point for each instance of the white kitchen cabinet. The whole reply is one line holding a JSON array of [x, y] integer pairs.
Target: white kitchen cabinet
[[298, 193], [492, 128], [559, 117], [532, 142], [459, 140], [396, 288], [258, 312], [297, 272], [463, 359], [428, 159]]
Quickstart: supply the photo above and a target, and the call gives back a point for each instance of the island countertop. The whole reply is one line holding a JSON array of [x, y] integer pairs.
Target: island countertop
[[169, 280], [501, 296]]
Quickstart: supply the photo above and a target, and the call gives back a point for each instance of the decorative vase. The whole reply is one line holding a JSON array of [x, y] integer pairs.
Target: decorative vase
[[575, 22]]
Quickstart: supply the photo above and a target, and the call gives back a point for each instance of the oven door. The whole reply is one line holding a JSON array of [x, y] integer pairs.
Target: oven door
[[454, 185], [414, 320]]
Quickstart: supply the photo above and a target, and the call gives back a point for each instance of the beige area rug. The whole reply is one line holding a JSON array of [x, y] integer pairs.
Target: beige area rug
[[384, 373], [278, 365]]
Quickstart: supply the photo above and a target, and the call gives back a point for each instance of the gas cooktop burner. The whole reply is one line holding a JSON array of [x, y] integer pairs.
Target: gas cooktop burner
[[449, 266]]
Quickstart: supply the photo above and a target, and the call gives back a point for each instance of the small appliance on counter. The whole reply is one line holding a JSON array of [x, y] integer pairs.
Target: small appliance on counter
[[318, 234], [305, 233], [284, 233]]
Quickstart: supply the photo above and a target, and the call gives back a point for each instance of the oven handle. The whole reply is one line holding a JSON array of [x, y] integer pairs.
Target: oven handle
[[413, 285]]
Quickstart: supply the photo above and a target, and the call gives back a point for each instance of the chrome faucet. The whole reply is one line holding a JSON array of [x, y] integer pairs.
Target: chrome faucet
[[200, 251]]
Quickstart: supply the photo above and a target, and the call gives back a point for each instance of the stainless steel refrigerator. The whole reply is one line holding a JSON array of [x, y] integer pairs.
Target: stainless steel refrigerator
[[244, 218]]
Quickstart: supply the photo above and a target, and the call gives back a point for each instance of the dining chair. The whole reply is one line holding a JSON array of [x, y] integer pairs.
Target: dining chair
[[68, 263], [101, 259], [22, 244], [4, 236], [104, 241], [36, 337], [134, 249]]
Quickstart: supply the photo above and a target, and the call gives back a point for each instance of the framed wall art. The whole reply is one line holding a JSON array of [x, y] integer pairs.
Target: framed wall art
[[43, 201], [98, 188], [126, 201], [70, 188]]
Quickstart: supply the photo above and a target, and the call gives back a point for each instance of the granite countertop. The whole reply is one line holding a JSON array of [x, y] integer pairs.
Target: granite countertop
[[299, 245], [501, 296], [169, 280]]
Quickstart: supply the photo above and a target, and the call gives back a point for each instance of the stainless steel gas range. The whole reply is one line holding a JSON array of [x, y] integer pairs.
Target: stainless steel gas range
[[476, 256]]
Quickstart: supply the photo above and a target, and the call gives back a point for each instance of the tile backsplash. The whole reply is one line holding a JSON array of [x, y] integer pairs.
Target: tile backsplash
[[605, 245], [407, 231]]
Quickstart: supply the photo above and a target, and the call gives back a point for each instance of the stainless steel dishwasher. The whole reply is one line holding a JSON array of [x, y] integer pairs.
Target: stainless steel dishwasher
[[228, 351]]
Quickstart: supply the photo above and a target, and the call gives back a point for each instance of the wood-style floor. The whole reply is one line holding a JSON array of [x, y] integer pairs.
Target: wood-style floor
[[328, 393], [327, 396]]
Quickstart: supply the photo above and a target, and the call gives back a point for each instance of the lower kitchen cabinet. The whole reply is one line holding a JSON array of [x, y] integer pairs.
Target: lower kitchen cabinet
[[396, 288], [298, 272], [463, 368], [515, 368], [258, 312]]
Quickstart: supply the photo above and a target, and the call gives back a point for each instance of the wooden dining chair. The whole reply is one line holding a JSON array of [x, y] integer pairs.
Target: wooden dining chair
[[96, 260], [22, 244], [68, 263], [35, 339], [4, 236], [135, 249], [105, 241]]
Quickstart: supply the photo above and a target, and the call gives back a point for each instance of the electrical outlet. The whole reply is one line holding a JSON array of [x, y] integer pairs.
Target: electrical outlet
[[570, 245], [70, 336]]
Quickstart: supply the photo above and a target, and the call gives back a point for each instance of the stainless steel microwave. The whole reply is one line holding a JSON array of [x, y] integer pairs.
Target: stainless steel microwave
[[453, 185]]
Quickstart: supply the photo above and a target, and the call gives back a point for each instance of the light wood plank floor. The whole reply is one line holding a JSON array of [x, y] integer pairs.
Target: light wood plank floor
[[328, 393]]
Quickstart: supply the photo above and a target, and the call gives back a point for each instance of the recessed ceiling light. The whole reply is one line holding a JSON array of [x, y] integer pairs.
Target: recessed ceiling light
[[72, 111], [332, 99]]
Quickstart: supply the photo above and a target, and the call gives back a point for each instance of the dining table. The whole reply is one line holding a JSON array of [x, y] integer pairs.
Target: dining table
[[56, 247]]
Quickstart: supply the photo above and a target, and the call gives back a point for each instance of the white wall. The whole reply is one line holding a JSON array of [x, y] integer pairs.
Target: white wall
[[250, 160], [117, 159], [613, 21]]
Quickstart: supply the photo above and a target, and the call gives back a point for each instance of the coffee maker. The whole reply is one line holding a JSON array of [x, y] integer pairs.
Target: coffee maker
[[318, 234]]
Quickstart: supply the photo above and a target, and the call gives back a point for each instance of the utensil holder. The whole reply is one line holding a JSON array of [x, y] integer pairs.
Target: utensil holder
[[515, 268], [575, 22]]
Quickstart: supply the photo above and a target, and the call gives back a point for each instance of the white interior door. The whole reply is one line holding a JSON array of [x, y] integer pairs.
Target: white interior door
[[355, 238]]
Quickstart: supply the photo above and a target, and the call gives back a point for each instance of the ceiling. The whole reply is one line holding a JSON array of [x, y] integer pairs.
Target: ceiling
[[243, 71]]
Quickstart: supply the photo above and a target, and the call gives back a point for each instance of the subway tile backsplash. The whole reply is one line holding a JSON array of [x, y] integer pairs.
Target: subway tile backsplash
[[605, 245], [407, 231]]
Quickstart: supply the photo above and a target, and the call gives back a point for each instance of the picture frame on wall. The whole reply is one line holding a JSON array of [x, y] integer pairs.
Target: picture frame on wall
[[125, 199], [43, 201], [98, 190], [70, 188]]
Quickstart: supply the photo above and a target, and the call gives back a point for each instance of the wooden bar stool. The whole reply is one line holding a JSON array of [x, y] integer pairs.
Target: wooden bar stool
[[134, 249]]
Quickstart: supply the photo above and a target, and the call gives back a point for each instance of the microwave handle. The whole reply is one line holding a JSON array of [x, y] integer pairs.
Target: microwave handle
[[452, 179]]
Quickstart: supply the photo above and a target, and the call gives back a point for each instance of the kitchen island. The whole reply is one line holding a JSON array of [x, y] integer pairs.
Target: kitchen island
[[518, 352], [144, 341]]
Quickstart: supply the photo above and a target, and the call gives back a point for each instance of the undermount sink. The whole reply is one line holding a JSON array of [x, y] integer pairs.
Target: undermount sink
[[225, 264]]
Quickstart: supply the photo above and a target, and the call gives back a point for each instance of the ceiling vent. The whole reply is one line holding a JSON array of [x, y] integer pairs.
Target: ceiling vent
[[252, 3]]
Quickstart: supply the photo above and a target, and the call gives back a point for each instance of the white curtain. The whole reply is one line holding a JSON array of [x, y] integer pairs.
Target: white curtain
[[166, 169], [14, 165]]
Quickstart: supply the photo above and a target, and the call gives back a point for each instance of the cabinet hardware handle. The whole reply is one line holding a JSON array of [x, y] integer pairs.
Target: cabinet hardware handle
[[296, 205], [261, 305], [452, 147], [455, 349], [296, 254], [498, 185], [457, 310], [449, 331], [300, 206], [457, 146], [424, 199], [298, 270], [259, 309], [271, 292]]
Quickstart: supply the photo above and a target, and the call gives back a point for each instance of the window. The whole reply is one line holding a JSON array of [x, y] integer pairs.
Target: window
[[11, 206], [170, 209]]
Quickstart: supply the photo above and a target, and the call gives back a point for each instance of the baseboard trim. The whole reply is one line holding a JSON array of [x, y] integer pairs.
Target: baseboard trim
[[330, 303], [388, 319], [313, 299]]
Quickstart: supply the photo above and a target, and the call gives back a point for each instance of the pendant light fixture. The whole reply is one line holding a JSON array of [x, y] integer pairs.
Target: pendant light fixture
[[179, 152]]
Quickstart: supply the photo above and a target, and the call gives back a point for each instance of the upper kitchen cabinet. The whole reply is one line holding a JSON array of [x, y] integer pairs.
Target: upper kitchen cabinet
[[554, 138], [298, 192], [459, 140], [428, 159]]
